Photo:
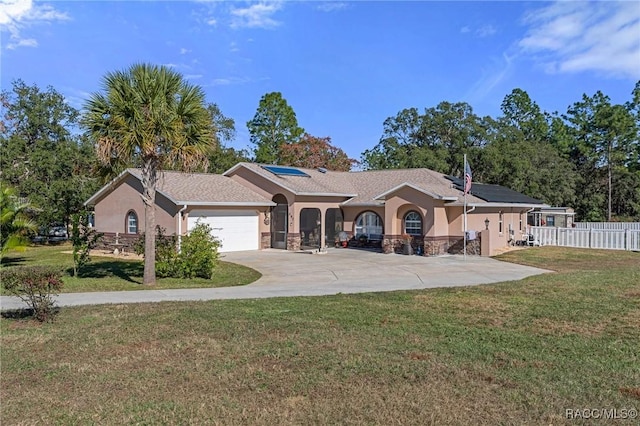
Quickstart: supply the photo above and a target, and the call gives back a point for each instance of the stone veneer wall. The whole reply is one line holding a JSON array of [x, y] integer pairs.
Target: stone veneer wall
[[293, 241], [395, 244], [265, 240], [435, 246], [107, 242]]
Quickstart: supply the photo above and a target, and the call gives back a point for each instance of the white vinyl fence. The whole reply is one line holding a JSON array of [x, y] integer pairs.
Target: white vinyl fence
[[614, 239], [632, 226]]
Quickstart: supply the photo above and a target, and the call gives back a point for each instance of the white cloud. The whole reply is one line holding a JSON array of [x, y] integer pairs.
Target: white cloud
[[193, 76], [23, 42], [212, 21], [257, 15], [492, 75], [575, 37], [19, 15], [331, 6], [184, 51], [233, 47], [230, 80], [486, 31], [464, 30]]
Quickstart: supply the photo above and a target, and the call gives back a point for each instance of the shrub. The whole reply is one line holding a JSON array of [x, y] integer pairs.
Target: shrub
[[84, 238], [197, 258], [166, 252], [199, 253], [34, 285]]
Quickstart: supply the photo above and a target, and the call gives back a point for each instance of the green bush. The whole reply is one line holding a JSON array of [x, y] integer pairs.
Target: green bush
[[197, 258], [84, 239], [166, 252], [36, 286], [199, 253]]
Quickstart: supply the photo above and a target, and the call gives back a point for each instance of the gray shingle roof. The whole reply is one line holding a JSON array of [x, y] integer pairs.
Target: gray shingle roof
[[204, 188], [362, 187]]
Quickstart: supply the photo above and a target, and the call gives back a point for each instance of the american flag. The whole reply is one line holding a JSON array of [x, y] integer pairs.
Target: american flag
[[467, 178]]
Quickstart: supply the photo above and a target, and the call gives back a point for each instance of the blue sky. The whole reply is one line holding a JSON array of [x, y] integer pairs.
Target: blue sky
[[344, 66]]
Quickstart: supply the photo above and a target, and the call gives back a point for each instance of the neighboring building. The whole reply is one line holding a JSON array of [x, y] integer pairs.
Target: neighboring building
[[561, 217], [253, 206]]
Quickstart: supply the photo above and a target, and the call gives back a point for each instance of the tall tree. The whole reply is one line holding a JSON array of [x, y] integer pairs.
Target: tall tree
[[313, 152], [604, 137], [148, 116], [437, 139], [521, 112], [274, 125], [41, 154], [520, 155], [222, 158]]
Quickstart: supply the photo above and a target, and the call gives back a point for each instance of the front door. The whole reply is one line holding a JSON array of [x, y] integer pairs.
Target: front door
[[279, 226]]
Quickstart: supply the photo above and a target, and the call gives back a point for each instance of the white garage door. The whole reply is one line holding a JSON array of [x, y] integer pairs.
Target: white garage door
[[236, 229]]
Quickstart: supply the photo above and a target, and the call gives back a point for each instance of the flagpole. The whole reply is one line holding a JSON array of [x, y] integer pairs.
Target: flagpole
[[464, 189]]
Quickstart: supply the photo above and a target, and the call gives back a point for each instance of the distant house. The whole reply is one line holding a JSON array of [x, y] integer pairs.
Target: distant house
[[561, 217], [254, 206]]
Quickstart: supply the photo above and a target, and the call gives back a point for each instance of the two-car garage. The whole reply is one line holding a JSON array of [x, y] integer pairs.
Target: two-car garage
[[236, 229]]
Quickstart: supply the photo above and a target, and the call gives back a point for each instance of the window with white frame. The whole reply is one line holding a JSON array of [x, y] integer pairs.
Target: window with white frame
[[413, 223], [132, 222], [551, 221], [368, 224]]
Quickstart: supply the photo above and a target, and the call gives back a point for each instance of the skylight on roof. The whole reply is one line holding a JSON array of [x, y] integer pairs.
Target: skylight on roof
[[285, 171]]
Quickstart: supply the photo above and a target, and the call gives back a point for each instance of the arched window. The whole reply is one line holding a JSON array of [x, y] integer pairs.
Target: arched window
[[132, 222], [369, 224], [413, 223]]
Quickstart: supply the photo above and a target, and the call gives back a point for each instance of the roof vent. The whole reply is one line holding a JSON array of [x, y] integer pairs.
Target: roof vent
[[322, 170]]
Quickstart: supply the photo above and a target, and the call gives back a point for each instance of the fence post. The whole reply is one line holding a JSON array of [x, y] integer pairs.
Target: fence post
[[627, 239], [590, 236]]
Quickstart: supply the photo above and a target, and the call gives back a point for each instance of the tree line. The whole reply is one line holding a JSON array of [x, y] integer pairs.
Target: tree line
[[587, 158]]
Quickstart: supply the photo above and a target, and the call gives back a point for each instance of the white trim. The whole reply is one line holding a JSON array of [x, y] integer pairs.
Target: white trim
[[523, 205], [229, 203], [424, 191], [108, 186], [117, 180], [349, 204], [325, 194]]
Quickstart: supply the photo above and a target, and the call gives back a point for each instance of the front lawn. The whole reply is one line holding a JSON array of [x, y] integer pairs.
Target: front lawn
[[122, 273], [519, 352]]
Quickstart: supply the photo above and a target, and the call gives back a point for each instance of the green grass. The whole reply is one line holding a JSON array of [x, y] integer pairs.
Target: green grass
[[120, 274], [512, 353]]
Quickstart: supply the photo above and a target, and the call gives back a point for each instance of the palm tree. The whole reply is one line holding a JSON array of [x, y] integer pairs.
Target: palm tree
[[14, 224], [149, 117]]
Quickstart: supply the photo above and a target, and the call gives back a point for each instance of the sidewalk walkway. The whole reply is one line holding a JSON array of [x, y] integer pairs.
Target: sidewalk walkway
[[287, 274]]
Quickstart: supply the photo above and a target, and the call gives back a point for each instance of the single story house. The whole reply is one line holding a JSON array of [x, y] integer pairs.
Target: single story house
[[255, 206]]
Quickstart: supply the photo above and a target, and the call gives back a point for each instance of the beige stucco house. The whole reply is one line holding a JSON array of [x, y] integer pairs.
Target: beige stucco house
[[253, 206]]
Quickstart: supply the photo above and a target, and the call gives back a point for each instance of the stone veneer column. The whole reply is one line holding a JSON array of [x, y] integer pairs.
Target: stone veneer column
[[265, 240], [293, 241]]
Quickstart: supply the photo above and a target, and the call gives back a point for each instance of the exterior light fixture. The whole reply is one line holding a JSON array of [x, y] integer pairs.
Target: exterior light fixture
[[486, 224]]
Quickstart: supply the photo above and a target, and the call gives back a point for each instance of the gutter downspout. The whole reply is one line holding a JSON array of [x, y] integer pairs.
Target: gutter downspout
[[180, 226], [527, 219]]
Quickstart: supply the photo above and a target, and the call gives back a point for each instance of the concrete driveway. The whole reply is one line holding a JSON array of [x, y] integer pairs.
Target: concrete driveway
[[287, 274]]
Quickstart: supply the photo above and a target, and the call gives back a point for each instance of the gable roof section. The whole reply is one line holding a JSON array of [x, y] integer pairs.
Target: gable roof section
[[370, 188], [375, 185], [315, 183], [385, 194], [200, 189], [495, 193]]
